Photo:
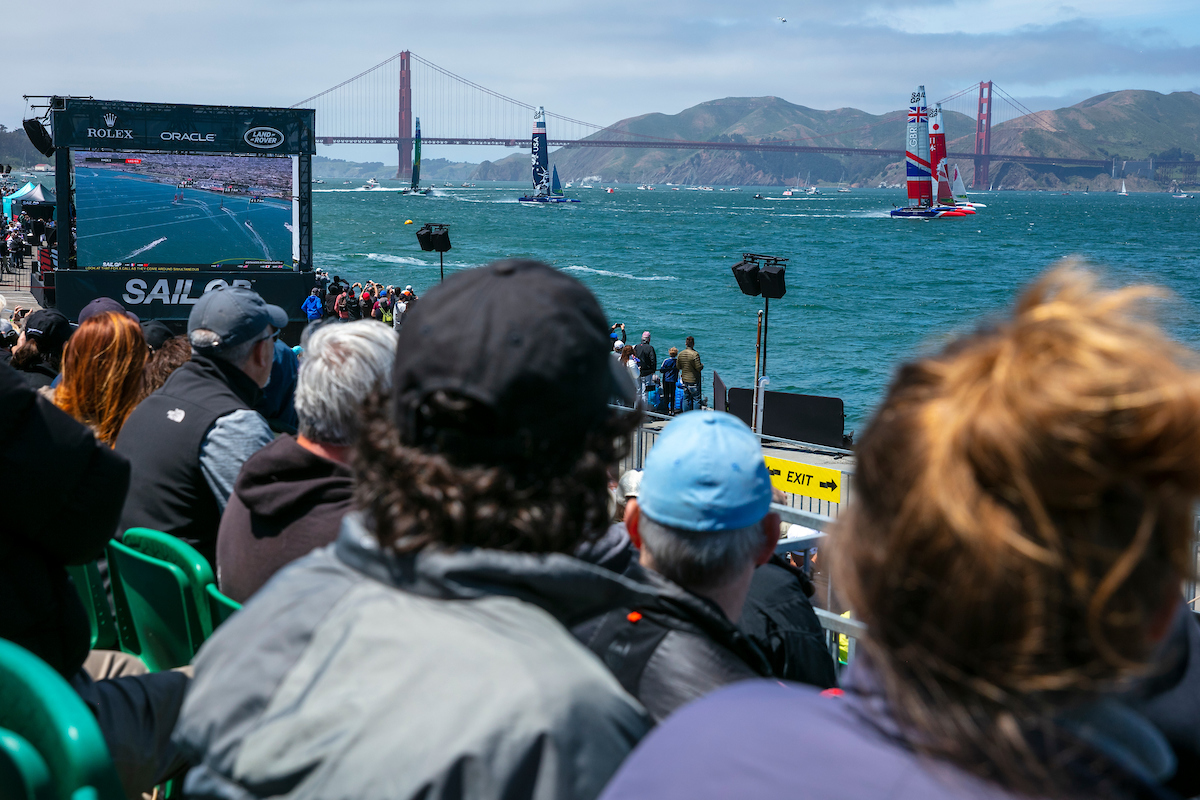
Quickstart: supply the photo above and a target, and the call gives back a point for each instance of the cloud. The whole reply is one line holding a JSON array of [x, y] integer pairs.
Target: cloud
[[603, 62]]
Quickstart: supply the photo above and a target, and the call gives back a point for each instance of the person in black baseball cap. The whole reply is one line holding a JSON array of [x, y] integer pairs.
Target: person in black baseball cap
[[476, 483], [188, 440], [38, 353]]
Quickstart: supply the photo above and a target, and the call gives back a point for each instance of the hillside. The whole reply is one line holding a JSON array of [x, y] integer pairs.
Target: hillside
[[733, 119], [1128, 125]]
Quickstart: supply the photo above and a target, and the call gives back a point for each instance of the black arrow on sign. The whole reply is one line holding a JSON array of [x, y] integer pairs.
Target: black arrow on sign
[[831, 485]]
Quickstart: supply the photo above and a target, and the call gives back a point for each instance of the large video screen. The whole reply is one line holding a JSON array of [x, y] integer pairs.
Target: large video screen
[[159, 209]]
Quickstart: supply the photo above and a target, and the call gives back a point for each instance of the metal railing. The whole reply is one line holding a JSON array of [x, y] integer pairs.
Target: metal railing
[[840, 631]]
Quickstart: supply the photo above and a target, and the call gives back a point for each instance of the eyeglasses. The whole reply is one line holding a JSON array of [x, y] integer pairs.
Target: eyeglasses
[[274, 337]]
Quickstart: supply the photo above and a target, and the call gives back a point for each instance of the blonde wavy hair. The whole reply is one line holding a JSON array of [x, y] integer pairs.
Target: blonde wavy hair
[[1024, 516]]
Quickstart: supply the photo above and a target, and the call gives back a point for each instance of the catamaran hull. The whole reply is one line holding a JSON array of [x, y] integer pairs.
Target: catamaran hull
[[547, 200], [930, 213]]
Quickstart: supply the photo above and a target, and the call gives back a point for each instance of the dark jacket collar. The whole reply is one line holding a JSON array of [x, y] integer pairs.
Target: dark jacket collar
[[567, 588], [678, 608], [241, 383]]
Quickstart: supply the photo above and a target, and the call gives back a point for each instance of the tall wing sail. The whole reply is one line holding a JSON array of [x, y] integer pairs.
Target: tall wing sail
[[555, 186], [937, 157], [958, 187], [541, 177], [416, 170], [916, 155]]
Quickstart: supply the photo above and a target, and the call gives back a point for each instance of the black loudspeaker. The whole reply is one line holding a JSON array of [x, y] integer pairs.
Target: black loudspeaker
[[425, 238], [434, 239], [746, 274], [440, 240], [770, 281], [38, 137]]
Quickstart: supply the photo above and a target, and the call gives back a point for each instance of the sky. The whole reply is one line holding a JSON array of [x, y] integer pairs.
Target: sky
[[602, 62]]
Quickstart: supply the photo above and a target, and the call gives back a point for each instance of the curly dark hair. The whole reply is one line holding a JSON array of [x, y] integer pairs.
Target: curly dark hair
[[173, 354], [414, 496]]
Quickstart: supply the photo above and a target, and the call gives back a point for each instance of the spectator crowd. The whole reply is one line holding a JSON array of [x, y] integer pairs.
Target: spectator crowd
[[446, 591]]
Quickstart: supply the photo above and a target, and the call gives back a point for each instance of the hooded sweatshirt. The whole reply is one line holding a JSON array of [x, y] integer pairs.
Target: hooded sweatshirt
[[286, 503]]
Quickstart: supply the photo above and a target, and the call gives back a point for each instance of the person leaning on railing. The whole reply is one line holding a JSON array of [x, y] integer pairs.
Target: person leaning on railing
[[1024, 517]]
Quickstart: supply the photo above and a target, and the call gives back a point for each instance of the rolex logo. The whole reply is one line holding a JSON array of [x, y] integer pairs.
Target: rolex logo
[[110, 119]]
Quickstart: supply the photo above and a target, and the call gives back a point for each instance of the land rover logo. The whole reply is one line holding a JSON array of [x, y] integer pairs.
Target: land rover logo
[[264, 138]]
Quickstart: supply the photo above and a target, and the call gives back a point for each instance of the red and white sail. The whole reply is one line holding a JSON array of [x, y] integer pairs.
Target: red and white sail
[[937, 157], [916, 155]]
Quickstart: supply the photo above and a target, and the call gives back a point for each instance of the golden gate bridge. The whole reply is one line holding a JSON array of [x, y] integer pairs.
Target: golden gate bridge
[[377, 106]]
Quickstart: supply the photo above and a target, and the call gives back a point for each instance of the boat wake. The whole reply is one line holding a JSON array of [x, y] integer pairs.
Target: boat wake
[[141, 250], [624, 275]]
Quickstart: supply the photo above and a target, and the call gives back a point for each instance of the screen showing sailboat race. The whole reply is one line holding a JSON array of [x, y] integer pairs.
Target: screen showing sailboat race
[[172, 209]]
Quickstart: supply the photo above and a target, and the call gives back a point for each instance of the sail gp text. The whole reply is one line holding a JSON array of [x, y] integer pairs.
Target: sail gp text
[[178, 294]]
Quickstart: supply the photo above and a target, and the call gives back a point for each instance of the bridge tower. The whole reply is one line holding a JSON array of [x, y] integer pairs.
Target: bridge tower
[[983, 136], [405, 134]]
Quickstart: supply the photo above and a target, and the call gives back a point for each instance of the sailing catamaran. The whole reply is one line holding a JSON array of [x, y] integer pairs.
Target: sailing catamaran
[[543, 190], [415, 187], [960, 190], [918, 166]]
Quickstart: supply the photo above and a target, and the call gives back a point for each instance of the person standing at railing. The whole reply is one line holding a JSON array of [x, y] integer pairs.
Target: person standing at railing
[[670, 377], [647, 364], [689, 374], [1024, 519]]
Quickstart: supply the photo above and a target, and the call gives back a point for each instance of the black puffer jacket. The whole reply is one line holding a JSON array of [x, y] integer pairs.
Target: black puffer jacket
[[780, 619], [673, 650], [66, 505]]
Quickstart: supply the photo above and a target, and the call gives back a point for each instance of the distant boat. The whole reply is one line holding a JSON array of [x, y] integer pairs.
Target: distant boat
[[371, 184], [1123, 193], [415, 186], [1182, 196], [542, 190], [918, 169], [959, 190], [1087, 189]]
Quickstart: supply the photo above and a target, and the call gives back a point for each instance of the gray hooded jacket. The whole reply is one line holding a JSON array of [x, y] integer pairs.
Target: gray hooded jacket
[[356, 673]]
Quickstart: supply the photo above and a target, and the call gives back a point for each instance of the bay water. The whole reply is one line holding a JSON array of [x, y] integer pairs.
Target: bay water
[[864, 291]]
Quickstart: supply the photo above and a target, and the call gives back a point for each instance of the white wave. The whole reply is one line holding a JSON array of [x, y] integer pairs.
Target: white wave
[[141, 250], [608, 274], [390, 259]]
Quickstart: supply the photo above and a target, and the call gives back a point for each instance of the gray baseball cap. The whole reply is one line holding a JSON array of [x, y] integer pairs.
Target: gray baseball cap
[[235, 315]]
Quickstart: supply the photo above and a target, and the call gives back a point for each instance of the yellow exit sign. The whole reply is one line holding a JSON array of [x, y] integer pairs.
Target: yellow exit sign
[[805, 479]]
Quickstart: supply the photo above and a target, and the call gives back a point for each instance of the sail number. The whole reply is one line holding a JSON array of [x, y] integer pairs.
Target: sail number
[[795, 477]]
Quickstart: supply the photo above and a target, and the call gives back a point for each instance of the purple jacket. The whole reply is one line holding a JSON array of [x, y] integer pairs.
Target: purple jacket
[[766, 739]]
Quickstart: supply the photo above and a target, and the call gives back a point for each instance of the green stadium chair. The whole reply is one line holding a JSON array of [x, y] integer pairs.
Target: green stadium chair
[[50, 745], [220, 607], [90, 586], [159, 590]]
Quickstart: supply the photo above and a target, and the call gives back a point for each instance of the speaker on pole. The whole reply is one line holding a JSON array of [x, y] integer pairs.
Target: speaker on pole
[[39, 137], [747, 276], [770, 281]]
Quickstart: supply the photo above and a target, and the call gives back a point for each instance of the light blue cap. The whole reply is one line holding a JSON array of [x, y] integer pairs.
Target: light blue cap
[[706, 473]]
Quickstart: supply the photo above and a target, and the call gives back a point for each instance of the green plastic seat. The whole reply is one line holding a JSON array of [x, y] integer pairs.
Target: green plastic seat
[[220, 607], [159, 590], [50, 745], [90, 586]]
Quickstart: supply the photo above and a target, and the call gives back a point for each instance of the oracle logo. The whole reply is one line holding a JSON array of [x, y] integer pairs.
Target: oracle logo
[[263, 138]]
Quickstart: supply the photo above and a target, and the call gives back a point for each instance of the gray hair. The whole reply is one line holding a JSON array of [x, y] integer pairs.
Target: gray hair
[[699, 560], [343, 363], [206, 343]]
